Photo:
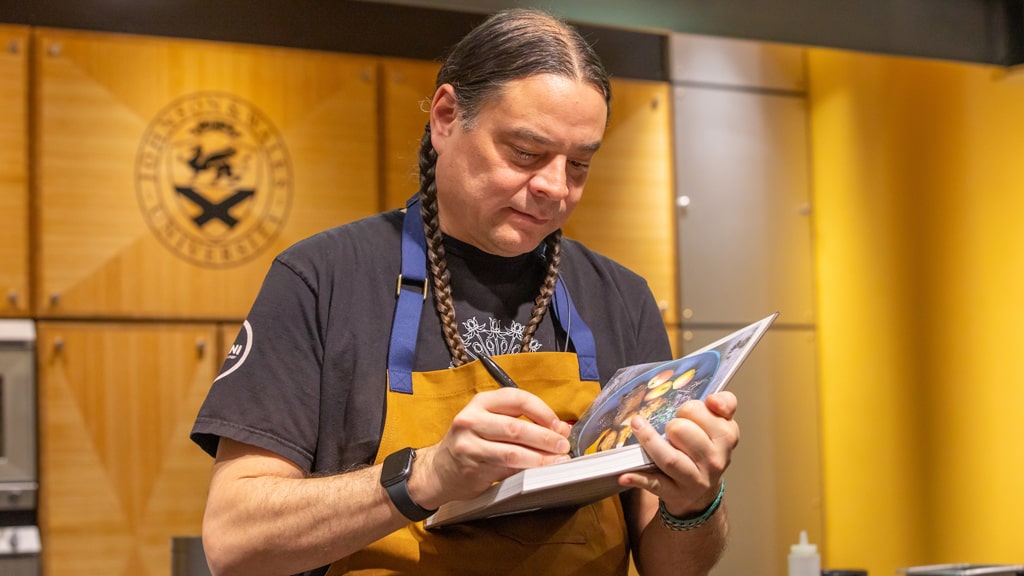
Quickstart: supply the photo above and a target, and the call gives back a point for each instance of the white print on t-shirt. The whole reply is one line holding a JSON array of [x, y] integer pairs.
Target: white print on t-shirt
[[491, 339], [239, 351]]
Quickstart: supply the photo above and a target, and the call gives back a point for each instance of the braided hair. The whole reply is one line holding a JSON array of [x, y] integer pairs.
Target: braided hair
[[510, 45]]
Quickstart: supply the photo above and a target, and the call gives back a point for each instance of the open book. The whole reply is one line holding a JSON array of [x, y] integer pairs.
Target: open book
[[601, 442]]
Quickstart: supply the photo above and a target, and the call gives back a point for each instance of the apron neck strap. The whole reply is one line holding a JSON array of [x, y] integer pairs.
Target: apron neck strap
[[412, 291]]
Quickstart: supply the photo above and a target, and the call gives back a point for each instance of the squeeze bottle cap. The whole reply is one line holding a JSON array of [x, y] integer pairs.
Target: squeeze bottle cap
[[803, 548]]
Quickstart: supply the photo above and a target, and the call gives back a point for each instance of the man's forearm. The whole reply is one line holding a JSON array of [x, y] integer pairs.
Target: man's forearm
[[689, 553], [658, 549], [265, 516], [275, 525]]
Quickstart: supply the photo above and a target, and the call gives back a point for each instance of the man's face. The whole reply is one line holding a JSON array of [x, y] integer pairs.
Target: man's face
[[517, 172]]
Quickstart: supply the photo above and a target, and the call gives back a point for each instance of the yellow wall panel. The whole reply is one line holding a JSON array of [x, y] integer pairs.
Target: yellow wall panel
[[628, 211], [971, 199], [14, 209], [920, 259], [170, 172], [865, 227], [118, 474]]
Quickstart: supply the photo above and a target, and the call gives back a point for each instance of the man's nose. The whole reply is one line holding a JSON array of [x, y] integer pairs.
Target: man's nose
[[551, 179]]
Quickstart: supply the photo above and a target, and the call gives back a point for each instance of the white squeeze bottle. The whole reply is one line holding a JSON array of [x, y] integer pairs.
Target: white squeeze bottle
[[803, 558]]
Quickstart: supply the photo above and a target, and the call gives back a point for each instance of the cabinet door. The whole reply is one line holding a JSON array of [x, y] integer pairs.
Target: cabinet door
[[171, 172], [14, 259], [118, 474], [626, 212], [744, 228], [774, 483]]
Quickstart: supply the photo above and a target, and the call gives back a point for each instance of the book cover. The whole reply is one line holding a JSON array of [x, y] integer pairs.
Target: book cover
[[601, 442]]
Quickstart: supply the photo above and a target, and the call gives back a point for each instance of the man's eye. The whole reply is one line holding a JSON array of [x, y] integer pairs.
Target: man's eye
[[522, 154], [580, 165]]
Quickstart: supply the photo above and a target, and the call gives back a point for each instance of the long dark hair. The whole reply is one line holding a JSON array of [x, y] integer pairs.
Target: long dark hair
[[510, 45]]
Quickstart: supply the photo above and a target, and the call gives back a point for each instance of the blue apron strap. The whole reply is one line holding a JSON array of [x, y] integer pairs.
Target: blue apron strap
[[412, 291], [579, 333]]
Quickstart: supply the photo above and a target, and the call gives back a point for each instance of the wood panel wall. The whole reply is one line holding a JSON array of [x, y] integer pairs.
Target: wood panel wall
[[408, 90], [119, 475], [126, 123], [14, 211]]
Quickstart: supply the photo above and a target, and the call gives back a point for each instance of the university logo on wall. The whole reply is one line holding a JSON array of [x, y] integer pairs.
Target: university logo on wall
[[214, 179]]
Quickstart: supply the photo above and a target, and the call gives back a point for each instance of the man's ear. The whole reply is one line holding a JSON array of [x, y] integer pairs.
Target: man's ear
[[443, 115]]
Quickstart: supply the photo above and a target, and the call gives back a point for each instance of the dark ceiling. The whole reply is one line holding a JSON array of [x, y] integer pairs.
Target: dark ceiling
[[979, 31]]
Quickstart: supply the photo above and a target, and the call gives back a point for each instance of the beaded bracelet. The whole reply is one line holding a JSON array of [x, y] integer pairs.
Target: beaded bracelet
[[683, 524]]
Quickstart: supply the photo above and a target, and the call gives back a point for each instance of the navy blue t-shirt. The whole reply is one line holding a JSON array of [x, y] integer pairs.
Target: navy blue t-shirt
[[306, 377]]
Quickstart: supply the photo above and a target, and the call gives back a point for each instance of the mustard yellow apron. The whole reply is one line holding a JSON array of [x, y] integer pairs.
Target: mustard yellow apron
[[589, 541]]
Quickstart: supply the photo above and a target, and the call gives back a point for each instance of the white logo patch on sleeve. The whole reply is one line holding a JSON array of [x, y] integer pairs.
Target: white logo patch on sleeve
[[239, 351]]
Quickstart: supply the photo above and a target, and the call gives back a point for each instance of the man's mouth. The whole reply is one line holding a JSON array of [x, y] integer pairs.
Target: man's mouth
[[533, 218]]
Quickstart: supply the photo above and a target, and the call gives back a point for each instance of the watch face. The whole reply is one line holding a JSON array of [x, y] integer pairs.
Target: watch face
[[397, 467]]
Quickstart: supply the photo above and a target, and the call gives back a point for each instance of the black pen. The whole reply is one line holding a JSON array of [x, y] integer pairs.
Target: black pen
[[496, 372]]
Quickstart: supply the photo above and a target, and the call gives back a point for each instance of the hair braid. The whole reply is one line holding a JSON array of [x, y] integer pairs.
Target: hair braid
[[438, 265], [553, 253]]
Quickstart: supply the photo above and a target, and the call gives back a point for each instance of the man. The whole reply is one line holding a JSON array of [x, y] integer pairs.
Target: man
[[353, 414]]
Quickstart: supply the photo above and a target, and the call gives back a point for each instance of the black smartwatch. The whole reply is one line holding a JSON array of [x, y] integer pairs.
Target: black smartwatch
[[394, 477]]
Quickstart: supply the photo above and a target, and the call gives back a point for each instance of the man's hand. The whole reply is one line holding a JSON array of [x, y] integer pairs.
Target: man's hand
[[497, 434], [693, 455]]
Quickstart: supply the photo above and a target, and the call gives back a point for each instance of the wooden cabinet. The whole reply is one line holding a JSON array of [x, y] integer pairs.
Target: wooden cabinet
[[14, 205], [743, 161], [118, 474], [169, 173]]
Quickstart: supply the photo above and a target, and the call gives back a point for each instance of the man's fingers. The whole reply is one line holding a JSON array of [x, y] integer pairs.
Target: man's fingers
[[678, 459], [722, 431], [723, 404], [517, 403], [509, 429], [516, 417], [520, 432]]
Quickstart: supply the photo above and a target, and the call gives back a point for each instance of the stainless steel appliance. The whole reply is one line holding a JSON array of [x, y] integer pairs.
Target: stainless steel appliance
[[19, 551], [20, 544], [187, 557]]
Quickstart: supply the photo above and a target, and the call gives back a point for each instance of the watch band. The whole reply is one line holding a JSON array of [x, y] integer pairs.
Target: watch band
[[400, 497], [398, 487]]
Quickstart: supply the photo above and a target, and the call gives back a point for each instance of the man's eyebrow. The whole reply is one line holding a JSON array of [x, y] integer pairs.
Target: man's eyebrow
[[527, 134]]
